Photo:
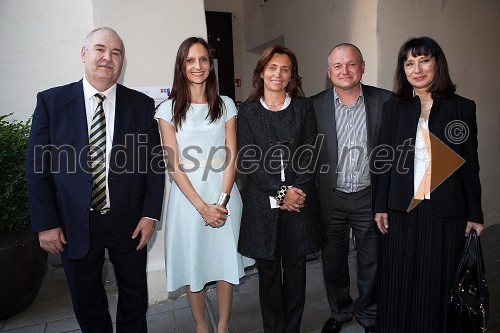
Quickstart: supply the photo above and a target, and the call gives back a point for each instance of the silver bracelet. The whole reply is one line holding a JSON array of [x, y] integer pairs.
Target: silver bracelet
[[281, 194], [223, 199]]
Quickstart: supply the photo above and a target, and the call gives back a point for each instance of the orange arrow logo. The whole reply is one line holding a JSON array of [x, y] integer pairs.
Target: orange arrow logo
[[444, 162]]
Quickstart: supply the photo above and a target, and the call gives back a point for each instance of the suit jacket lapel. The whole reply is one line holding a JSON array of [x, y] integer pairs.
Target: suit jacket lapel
[[75, 112], [372, 114], [330, 125], [434, 115], [123, 113]]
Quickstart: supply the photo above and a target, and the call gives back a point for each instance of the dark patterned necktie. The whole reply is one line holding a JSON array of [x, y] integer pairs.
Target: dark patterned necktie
[[97, 143]]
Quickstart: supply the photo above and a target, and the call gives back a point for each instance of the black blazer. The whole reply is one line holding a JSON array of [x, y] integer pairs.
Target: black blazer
[[453, 121], [58, 178], [260, 134], [324, 106]]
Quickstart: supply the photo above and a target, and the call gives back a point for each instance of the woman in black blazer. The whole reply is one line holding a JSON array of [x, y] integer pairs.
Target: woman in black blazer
[[429, 196], [281, 220]]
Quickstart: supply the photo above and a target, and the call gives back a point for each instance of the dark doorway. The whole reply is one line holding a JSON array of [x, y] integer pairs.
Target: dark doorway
[[220, 40]]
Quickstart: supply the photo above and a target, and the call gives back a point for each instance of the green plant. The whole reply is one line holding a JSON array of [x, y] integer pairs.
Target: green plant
[[14, 214]]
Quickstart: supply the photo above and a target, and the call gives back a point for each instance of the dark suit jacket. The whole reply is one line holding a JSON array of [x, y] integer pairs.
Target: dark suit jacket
[[260, 134], [453, 121], [324, 106], [58, 178]]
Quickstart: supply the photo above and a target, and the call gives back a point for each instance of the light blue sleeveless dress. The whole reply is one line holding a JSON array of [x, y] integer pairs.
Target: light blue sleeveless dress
[[196, 254]]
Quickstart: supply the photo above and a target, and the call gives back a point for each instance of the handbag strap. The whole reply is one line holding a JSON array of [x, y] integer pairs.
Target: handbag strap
[[479, 263], [464, 256]]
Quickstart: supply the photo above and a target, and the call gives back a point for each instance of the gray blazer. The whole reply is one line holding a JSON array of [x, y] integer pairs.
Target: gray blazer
[[324, 107]]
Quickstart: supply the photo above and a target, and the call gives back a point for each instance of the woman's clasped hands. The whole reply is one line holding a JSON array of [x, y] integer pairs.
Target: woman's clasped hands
[[294, 200], [214, 215]]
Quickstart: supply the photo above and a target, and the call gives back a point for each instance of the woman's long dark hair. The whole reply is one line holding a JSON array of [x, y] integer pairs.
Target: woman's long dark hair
[[294, 87], [181, 94], [441, 86]]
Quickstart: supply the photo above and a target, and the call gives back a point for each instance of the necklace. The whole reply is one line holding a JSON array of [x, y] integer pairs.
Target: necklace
[[277, 104], [274, 105]]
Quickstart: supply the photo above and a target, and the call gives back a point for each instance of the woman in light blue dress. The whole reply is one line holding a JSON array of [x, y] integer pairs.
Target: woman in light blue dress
[[198, 130]]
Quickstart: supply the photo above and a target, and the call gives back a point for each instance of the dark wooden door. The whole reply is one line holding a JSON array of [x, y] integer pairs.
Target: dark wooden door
[[220, 40]]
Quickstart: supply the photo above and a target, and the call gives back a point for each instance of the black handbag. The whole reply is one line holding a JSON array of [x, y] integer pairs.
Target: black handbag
[[469, 295]]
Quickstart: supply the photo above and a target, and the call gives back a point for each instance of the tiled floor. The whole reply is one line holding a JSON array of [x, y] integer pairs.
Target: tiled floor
[[52, 312]]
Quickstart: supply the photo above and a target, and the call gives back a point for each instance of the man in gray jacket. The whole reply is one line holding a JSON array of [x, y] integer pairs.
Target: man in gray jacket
[[349, 117]]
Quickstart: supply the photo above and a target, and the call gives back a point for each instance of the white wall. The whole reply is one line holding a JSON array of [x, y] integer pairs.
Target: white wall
[[311, 29], [152, 31], [41, 42]]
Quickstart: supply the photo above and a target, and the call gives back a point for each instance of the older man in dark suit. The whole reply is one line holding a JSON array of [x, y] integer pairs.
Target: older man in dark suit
[[95, 182], [349, 117]]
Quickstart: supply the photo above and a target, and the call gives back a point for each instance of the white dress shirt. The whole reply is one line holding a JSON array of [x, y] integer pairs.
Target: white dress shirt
[[422, 164]]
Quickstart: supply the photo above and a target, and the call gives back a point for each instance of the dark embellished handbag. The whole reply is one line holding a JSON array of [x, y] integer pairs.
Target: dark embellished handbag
[[469, 294]]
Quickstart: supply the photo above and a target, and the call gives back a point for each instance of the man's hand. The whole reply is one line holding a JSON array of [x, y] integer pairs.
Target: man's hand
[[52, 240], [145, 227]]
